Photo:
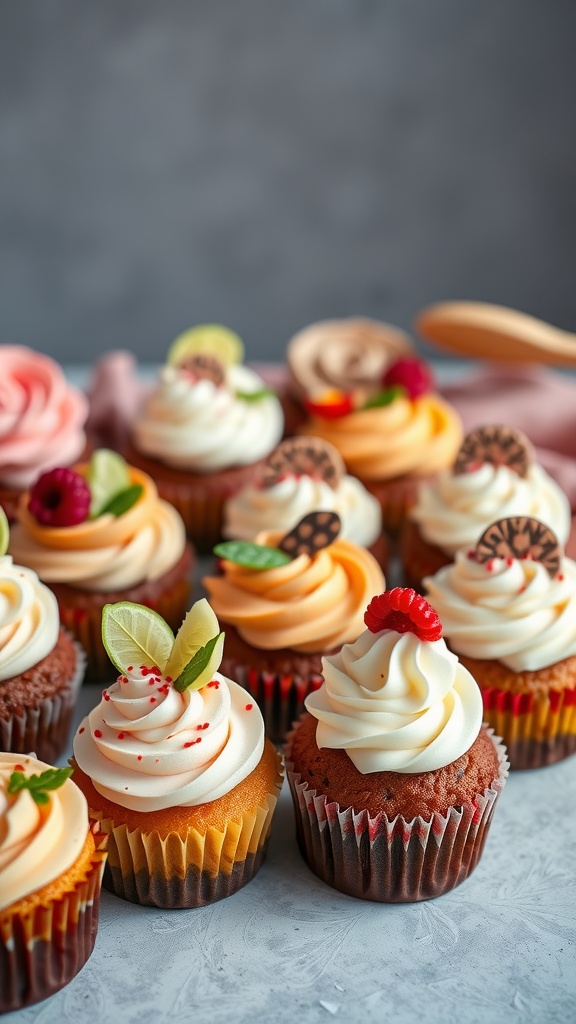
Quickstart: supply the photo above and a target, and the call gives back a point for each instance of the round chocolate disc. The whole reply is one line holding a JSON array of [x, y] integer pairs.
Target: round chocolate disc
[[502, 446], [315, 531], [203, 366], [520, 537], [304, 456]]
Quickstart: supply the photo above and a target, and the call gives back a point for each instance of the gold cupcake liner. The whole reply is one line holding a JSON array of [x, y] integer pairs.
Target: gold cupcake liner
[[538, 729], [392, 860], [43, 950], [189, 871], [280, 696], [44, 729]]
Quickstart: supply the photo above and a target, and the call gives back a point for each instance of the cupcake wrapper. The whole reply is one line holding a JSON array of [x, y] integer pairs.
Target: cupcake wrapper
[[42, 951], [186, 872], [44, 729], [392, 861], [280, 696], [537, 729]]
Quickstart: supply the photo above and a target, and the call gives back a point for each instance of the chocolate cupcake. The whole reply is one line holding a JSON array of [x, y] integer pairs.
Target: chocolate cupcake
[[393, 776]]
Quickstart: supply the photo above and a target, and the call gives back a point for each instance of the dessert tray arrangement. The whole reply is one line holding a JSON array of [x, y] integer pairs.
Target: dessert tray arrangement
[[288, 679]]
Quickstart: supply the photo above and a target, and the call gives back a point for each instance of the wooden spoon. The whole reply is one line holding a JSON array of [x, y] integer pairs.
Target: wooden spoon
[[481, 330]]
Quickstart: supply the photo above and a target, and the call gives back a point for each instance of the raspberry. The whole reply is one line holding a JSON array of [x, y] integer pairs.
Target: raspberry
[[404, 611], [412, 374], [331, 405], [60, 498]]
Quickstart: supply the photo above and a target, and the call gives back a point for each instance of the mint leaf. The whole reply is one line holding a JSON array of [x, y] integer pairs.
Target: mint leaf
[[39, 785], [123, 501], [196, 668], [251, 556], [384, 397], [255, 396]]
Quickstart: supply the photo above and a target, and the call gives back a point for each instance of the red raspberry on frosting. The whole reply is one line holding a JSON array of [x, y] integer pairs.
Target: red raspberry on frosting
[[412, 374], [60, 498], [404, 611]]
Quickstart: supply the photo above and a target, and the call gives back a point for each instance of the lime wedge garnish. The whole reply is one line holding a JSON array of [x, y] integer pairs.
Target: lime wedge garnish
[[4, 532], [107, 476], [211, 339], [199, 626], [134, 635]]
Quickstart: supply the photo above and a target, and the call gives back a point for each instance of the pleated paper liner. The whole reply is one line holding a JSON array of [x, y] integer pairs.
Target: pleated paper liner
[[538, 729], [280, 696], [42, 951], [81, 611], [44, 729], [187, 871], [392, 861]]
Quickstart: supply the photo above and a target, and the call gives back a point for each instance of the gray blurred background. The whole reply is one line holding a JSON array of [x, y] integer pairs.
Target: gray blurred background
[[266, 164]]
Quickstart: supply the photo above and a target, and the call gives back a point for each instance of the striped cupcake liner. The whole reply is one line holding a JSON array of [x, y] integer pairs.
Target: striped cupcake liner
[[392, 860], [42, 950], [538, 729], [280, 696], [44, 729]]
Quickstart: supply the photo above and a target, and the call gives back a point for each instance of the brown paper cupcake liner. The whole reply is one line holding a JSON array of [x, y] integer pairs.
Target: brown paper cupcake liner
[[189, 871], [44, 950], [395, 497], [280, 696], [538, 729], [44, 729], [392, 860]]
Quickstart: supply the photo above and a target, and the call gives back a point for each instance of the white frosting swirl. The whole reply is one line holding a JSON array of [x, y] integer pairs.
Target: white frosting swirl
[[507, 609], [29, 619], [454, 510], [198, 426], [284, 504], [396, 703], [147, 746], [37, 844]]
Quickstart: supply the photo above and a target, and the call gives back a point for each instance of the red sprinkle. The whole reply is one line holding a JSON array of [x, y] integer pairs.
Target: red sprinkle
[[249, 707], [130, 668], [139, 757], [472, 555], [169, 679], [81, 730], [123, 679], [490, 565], [560, 576], [509, 560], [97, 734], [191, 743], [152, 682], [214, 683], [106, 695], [19, 767], [121, 735], [152, 700], [156, 669], [157, 760]]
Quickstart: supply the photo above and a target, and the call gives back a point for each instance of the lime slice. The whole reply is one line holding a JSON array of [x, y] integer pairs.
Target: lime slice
[[135, 635], [199, 626], [107, 476], [4, 532], [211, 339], [201, 668]]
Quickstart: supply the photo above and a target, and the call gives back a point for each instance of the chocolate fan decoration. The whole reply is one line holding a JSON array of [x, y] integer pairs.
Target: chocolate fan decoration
[[204, 367], [315, 531], [500, 445], [520, 537], [304, 456]]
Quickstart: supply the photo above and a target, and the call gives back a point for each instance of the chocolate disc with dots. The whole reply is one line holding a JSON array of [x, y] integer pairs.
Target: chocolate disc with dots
[[520, 537], [203, 366], [315, 531], [502, 446], [304, 456]]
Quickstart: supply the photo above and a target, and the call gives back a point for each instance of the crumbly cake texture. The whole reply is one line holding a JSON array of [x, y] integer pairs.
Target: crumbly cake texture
[[332, 774], [492, 674], [43, 680]]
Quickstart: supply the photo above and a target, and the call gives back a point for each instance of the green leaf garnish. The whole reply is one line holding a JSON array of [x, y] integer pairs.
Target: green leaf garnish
[[202, 666], [384, 397], [4, 532], [251, 556], [123, 501], [135, 635], [39, 785], [255, 396]]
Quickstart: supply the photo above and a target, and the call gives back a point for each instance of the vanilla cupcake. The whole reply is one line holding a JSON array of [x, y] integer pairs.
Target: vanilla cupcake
[[51, 866], [174, 764], [205, 428], [494, 476]]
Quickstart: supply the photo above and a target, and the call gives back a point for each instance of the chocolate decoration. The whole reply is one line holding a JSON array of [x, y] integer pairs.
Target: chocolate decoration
[[315, 531], [204, 367], [500, 445], [520, 537], [304, 456]]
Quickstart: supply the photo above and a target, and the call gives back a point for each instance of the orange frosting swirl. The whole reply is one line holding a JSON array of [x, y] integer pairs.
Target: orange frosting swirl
[[418, 436], [311, 604]]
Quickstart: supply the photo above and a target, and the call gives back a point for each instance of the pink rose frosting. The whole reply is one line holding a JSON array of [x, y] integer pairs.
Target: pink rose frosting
[[42, 417]]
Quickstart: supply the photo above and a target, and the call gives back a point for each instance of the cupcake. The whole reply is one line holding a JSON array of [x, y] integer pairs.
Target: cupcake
[[204, 430], [302, 475], [509, 611], [393, 776], [50, 874], [338, 354], [98, 533], [41, 667], [285, 601], [494, 477], [391, 436], [174, 764]]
